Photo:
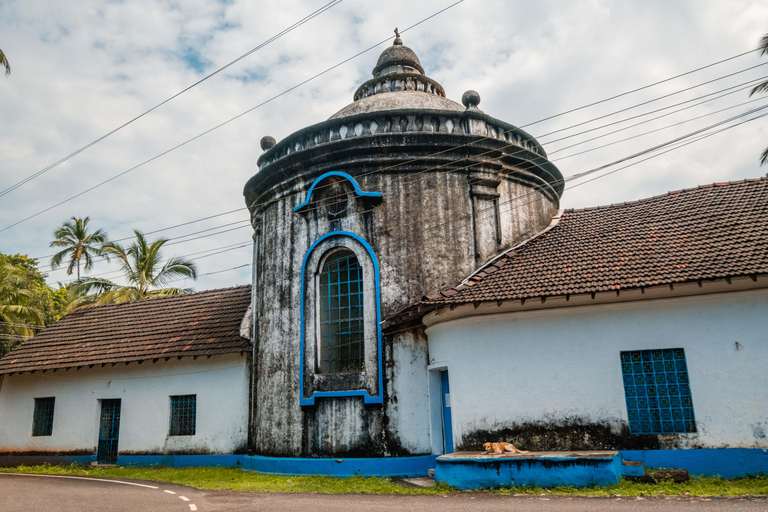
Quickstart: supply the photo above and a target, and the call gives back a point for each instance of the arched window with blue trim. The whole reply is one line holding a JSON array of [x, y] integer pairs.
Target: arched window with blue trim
[[342, 327], [340, 351]]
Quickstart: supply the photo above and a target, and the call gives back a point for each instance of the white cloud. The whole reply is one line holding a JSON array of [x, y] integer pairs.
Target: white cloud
[[81, 69]]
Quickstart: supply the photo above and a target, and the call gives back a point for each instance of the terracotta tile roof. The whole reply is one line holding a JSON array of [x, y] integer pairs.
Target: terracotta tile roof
[[709, 232], [196, 324]]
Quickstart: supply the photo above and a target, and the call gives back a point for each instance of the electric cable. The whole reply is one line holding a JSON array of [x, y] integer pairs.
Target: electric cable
[[705, 115], [337, 65], [96, 141], [572, 110], [219, 125]]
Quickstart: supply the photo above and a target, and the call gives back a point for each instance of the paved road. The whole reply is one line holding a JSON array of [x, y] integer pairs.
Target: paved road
[[29, 493], [38, 493]]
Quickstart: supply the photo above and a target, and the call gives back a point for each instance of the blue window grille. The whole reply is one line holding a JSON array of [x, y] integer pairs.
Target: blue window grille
[[341, 314], [183, 415], [658, 392], [42, 421]]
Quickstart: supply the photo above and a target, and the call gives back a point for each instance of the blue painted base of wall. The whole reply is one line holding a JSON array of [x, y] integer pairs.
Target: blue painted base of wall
[[389, 466], [725, 462], [183, 461], [491, 473], [385, 466]]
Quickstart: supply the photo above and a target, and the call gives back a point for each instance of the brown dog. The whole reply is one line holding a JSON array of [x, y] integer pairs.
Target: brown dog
[[500, 448]]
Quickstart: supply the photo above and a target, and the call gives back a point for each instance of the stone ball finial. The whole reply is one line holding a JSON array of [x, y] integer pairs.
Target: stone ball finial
[[397, 41], [267, 142], [470, 99]]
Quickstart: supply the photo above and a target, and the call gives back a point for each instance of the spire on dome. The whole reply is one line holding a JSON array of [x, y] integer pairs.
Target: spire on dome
[[397, 41]]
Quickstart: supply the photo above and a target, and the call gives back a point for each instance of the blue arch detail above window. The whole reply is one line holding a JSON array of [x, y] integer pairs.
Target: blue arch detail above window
[[367, 398], [358, 191]]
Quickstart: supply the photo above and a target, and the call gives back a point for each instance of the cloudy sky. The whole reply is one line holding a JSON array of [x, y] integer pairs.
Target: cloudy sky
[[81, 69]]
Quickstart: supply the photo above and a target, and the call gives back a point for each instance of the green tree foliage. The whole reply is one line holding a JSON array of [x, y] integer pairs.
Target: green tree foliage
[[142, 267], [25, 301], [762, 87], [78, 244]]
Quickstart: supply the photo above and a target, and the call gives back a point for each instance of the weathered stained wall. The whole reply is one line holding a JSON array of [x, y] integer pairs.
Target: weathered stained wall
[[422, 234], [551, 379], [220, 383]]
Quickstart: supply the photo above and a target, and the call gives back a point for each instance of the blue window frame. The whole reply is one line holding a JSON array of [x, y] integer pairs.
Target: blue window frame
[[342, 327], [183, 415], [42, 421], [657, 391]]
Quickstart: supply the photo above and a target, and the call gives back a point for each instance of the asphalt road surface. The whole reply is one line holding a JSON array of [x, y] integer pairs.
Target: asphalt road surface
[[74, 494]]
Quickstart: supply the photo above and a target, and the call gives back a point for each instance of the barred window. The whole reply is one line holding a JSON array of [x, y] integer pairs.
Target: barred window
[[657, 391], [183, 415], [342, 331], [42, 421]]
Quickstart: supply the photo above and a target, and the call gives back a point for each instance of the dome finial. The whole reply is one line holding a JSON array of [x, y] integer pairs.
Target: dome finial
[[398, 41]]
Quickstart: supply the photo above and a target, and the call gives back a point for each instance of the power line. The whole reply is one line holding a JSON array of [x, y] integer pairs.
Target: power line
[[94, 142], [220, 250], [640, 88], [232, 211], [671, 145], [221, 124], [536, 122], [545, 143]]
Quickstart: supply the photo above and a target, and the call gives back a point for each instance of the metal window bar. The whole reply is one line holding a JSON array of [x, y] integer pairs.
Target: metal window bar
[[657, 391], [183, 415], [42, 420], [341, 314]]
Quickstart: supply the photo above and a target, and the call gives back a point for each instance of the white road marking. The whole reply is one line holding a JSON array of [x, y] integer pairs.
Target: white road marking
[[169, 492], [192, 506], [84, 478], [184, 498]]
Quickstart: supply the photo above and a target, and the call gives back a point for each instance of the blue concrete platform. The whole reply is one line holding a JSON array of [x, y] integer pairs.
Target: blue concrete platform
[[477, 470]]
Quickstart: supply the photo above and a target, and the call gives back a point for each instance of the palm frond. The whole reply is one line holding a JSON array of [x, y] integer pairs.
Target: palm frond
[[4, 63], [763, 45], [169, 292], [761, 87], [175, 268], [91, 285]]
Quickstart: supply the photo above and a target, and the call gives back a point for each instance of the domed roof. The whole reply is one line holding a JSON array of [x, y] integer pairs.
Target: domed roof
[[398, 83], [397, 54], [397, 101]]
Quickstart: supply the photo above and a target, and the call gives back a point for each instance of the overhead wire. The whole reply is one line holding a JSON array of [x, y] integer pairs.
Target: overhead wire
[[732, 89], [219, 70], [206, 132], [672, 145], [604, 135]]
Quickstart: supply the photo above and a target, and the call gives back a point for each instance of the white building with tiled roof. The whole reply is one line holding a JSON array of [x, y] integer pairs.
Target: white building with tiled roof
[[158, 381]]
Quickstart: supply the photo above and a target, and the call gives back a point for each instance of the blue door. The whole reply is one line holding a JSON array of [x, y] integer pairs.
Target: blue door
[[109, 430], [446, 401]]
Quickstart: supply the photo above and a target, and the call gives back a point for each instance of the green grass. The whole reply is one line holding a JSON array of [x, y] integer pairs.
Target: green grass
[[237, 480], [696, 486]]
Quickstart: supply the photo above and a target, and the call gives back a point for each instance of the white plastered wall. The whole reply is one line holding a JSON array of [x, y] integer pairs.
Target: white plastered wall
[[551, 365], [220, 383]]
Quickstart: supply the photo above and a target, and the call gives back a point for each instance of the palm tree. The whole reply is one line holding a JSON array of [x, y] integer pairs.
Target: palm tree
[[4, 63], [15, 313], [762, 87], [141, 266], [78, 243]]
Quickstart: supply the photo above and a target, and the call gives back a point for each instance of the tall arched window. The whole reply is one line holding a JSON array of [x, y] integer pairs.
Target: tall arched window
[[342, 329]]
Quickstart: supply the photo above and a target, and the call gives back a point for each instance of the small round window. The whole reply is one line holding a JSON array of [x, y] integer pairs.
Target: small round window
[[335, 200]]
